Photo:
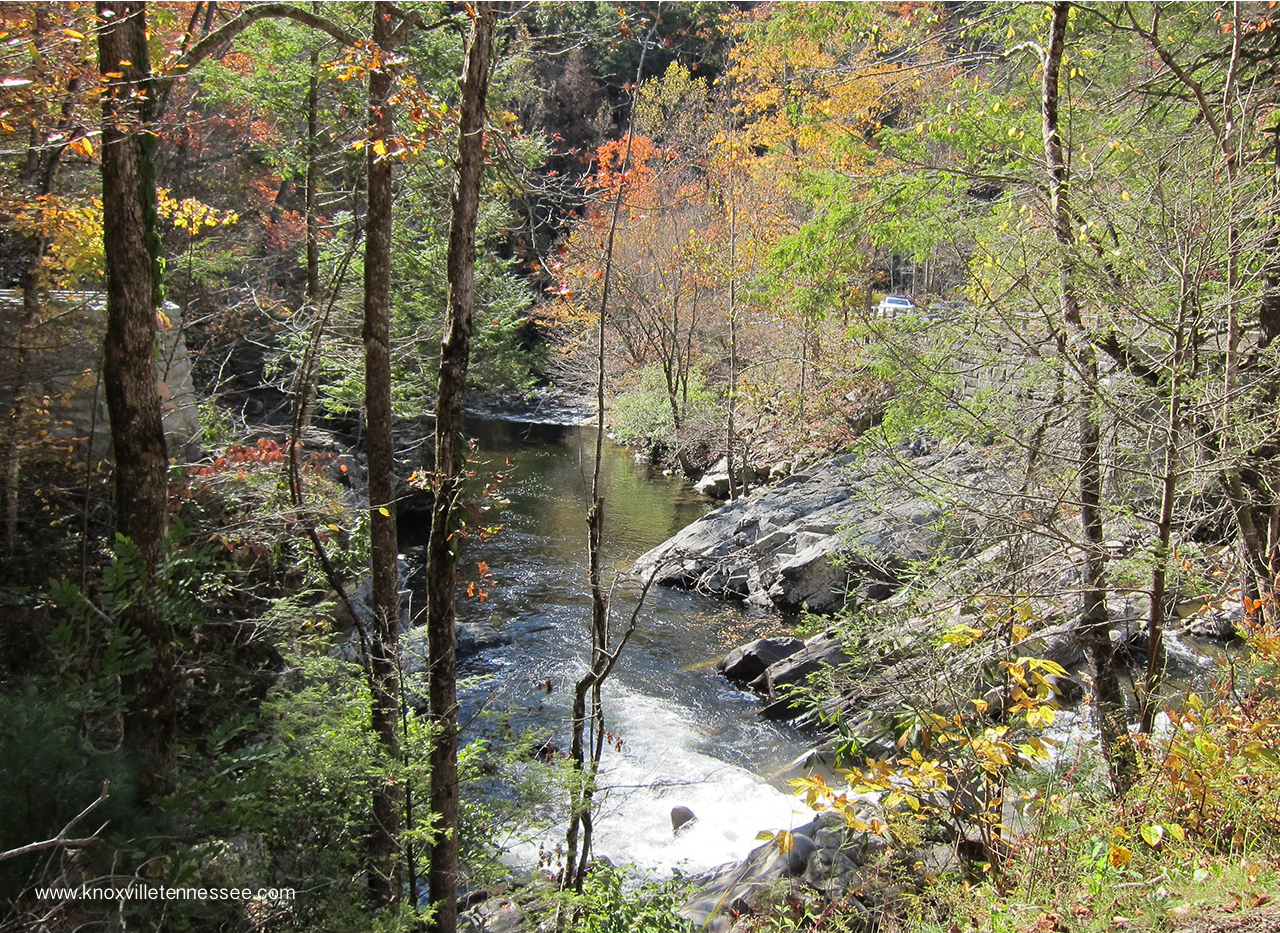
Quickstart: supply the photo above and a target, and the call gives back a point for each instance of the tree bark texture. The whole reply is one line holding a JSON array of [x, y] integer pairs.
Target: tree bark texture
[[384, 627], [1269, 306], [128, 366], [1095, 630], [455, 355]]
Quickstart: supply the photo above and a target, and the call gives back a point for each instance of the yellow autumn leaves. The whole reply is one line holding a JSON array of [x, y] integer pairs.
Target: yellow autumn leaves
[[192, 214]]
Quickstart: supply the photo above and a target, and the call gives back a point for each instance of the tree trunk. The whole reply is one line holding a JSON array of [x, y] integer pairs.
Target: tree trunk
[[313, 179], [731, 415], [586, 767], [1094, 623], [455, 354], [137, 432], [1269, 306], [384, 648], [1147, 691]]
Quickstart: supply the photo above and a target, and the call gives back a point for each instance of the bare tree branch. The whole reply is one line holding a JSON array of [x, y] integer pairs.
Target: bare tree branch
[[246, 18], [64, 840]]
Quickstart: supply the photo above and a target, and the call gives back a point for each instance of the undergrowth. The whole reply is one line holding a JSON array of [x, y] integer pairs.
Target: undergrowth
[[1196, 838]]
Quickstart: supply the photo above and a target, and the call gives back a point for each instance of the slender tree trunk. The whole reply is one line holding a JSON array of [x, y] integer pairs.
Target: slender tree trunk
[[1269, 307], [730, 426], [455, 355], [133, 401], [672, 368], [1164, 531], [384, 647], [1255, 569], [586, 767], [313, 178], [804, 368], [305, 386], [1094, 622], [11, 449], [1253, 505]]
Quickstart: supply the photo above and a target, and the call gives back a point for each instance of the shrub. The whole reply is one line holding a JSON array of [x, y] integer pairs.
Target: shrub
[[609, 904], [642, 416]]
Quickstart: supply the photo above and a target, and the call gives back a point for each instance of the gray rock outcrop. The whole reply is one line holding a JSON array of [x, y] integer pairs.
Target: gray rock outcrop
[[747, 662], [63, 369], [823, 855], [847, 528]]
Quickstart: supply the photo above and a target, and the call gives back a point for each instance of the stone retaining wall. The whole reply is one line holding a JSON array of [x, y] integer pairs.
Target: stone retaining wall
[[64, 354]]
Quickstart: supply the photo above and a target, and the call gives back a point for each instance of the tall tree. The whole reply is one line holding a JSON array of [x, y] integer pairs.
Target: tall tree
[[128, 366], [588, 733], [1094, 627], [455, 355], [1246, 477], [384, 642]]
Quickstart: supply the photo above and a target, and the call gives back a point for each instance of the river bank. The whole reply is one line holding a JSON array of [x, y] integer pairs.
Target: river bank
[[887, 535], [945, 604]]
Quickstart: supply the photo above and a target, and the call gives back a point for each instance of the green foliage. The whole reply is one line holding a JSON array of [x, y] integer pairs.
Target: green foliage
[[505, 354], [610, 904], [801, 266], [642, 416], [672, 110], [1197, 832], [951, 766], [60, 773], [240, 500], [1216, 774], [691, 33], [299, 786], [93, 646]]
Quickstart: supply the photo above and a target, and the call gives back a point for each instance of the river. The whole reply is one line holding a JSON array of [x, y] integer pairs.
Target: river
[[687, 736]]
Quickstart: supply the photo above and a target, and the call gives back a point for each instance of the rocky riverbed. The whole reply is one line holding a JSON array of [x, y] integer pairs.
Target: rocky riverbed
[[913, 544]]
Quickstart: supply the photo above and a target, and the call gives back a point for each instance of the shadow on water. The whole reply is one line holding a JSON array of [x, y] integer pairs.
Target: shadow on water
[[688, 737]]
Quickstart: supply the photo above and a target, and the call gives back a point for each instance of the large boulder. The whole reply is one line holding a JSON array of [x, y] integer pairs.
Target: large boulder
[[1221, 623], [62, 369], [740, 887], [747, 662], [495, 915], [471, 638], [823, 854], [780, 681], [847, 528], [681, 817], [714, 483]]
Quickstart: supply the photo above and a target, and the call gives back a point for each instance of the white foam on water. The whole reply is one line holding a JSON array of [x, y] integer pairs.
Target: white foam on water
[[659, 766]]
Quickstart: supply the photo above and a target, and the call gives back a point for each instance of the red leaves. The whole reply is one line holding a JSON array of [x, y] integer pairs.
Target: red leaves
[[238, 456]]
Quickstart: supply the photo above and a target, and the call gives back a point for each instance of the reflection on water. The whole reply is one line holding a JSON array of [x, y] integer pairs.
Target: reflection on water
[[688, 737]]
